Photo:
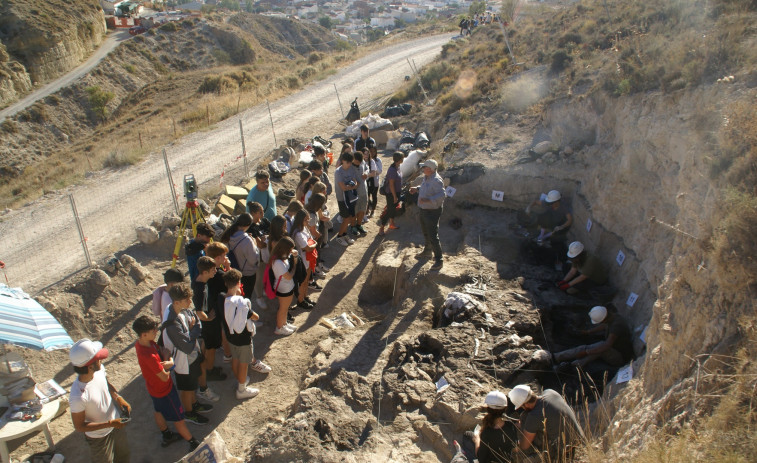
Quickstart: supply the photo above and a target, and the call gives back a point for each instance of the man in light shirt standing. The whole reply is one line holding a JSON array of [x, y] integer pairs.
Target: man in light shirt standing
[[431, 196]]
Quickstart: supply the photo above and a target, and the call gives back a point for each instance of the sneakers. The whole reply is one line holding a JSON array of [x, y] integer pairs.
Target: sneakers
[[215, 374], [247, 393], [291, 326], [284, 330], [314, 286], [262, 303], [290, 318], [195, 418], [260, 367], [258, 324], [423, 255], [200, 407], [208, 394], [322, 268], [361, 230], [437, 265], [393, 227], [169, 437], [226, 358], [353, 231], [349, 240], [305, 306], [193, 444], [342, 241]]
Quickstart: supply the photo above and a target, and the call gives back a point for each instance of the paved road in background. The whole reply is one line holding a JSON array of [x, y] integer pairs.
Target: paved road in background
[[40, 241], [109, 44]]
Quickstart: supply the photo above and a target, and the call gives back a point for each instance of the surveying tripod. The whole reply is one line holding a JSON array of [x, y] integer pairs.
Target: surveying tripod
[[192, 214]]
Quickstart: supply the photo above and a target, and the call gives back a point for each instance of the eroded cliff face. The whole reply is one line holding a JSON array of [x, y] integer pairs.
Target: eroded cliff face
[[14, 80], [47, 39]]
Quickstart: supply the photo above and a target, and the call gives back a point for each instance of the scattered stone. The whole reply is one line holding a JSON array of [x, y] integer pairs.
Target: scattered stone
[[127, 261], [147, 235], [568, 151], [99, 278], [170, 221], [138, 272], [111, 264], [46, 303], [544, 147]]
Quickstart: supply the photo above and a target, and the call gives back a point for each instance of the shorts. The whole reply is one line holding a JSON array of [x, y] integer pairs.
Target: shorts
[[280, 294], [346, 211], [188, 382], [211, 333], [242, 354], [169, 406]]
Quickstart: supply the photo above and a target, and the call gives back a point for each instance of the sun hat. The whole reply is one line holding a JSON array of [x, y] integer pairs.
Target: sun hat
[[553, 196], [519, 395], [496, 400], [575, 249], [430, 163], [598, 314], [86, 352]]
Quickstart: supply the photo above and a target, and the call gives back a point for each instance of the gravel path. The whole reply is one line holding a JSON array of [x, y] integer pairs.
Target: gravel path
[[42, 236]]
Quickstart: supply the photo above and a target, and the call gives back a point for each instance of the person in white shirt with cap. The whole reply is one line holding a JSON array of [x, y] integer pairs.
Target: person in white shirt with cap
[[431, 196], [96, 408]]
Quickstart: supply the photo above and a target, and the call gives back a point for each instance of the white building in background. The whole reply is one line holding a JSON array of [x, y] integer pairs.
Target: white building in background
[[382, 21]]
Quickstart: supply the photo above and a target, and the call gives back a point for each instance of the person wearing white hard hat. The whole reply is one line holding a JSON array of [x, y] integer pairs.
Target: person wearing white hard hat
[[615, 348], [431, 194], [586, 271], [96, 408], [498, 435], [549, 430]]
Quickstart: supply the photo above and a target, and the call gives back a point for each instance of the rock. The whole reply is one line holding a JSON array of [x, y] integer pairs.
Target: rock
[[541, 356], [127, 261], [550, 158], [46, 303], [99, 278], [568, 150], [236, 193], [111, 264], [138, 272], [170, 221], [147, 235], [544, 147]]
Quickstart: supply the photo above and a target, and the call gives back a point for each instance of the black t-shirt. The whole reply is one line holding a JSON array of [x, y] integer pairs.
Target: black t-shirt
[[623, 343], [553, 422], [361, 144], [497, 444], [200, 296]]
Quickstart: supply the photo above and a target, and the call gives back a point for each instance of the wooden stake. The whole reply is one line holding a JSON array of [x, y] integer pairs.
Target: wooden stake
[[140, 140], [207, 114], [174, 126]]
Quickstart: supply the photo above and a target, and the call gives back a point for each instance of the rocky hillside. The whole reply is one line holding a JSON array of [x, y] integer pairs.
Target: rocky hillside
[[243, 57], [40, 40]]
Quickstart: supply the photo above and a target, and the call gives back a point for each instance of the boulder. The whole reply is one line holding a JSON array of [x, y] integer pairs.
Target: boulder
[[99, 278], [147, 235], [138, 272], [170, 221], [544, 147], [127, 261]]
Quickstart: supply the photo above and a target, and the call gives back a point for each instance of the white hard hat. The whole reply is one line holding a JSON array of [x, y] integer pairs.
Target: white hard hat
[[553, 196], [85, 352], [575, 249], [598, 314], [519, 395], [496, 400]]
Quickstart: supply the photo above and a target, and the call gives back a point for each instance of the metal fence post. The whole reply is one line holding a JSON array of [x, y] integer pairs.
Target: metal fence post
[[339, 100], [170, 183], [244, 151], [275, 143], [81, 231]]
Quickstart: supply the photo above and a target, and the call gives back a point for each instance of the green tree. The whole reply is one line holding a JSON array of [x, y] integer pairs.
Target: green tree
[[325, 22], [477, 8], [98, 100], [507, 12], [229, 4], [249, 6], [399, 23], [373, 34]]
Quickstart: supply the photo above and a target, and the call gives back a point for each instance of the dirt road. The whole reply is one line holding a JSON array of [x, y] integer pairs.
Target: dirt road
[[108, 45], [111, 204]]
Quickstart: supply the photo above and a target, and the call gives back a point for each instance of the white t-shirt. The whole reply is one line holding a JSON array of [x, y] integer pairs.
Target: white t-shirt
[[93, 398], [301, 240], [279, 268]]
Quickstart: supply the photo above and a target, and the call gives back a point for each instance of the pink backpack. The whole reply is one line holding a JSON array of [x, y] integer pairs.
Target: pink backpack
[[157, 296], [268, 277]]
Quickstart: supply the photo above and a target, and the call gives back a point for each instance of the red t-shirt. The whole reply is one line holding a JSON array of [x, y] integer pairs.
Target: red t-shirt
[[149, 361]]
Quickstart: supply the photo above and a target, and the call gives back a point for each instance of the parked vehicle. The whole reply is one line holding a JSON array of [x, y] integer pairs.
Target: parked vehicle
[[136, 30]]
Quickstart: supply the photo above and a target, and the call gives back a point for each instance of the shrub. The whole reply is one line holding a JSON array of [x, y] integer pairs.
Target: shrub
[[560, 61], [218, 84], [307, 73], [221, 56], [38, 113], [130, 68], [9, 126], [98, 100], [120, 158], [53, 100], [314, 58], [170, 26]]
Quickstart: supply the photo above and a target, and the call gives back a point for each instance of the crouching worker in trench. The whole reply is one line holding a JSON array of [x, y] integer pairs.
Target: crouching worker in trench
[[616, 348], [498, 435], [549, 430], [586, 271]]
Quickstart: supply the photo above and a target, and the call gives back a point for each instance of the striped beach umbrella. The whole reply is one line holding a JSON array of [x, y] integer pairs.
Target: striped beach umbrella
[[23, 322]]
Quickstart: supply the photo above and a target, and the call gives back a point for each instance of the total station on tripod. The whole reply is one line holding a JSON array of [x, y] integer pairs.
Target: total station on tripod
[[190, 187]]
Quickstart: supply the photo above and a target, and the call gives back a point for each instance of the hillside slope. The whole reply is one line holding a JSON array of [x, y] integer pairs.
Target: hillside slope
[[40, 40]]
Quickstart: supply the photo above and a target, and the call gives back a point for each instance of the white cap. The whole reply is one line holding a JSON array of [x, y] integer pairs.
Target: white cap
[[598, 314], [575, 249], [496, 400], [519, 395], [86, 352], [430, 163], [553, 196]]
